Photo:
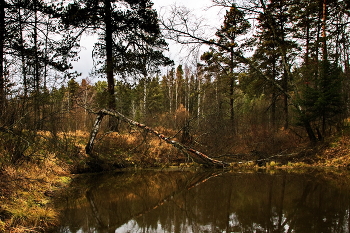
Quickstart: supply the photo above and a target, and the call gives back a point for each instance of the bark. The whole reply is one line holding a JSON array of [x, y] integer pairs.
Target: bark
[[23, 58], [274, 95], [2, 41], [232, 91], [310, 131], [324, 33], [197, 156], [113, 123], [199, 97], [109, 54], [37, 104], [324, 58], [93, 133], [144, 97]]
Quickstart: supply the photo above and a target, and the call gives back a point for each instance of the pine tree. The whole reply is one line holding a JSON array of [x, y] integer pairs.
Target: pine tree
[[320, 74], [223, 59], [129, 36], [31, 41]]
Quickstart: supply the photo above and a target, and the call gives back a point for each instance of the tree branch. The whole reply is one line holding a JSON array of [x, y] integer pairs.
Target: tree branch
[[196, 155]]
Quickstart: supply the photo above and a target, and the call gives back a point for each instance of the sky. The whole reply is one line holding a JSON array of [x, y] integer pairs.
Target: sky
[[212, 16]]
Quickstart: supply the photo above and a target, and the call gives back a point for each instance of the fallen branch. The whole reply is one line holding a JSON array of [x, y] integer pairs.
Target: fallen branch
[[198, 156]]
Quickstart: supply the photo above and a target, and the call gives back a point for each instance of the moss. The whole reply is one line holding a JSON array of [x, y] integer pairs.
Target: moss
[[65, 179], [26, 191]]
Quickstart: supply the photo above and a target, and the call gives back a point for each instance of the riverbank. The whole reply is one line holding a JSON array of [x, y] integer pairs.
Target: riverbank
[[25, 195], [27, 187]]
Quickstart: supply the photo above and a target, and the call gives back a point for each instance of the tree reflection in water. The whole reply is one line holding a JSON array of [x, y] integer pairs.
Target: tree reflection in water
[[185, 201]]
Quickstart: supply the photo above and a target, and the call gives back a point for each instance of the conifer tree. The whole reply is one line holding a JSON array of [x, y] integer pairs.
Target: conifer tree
[[30, 46], [129, 35], [320, 75], [235, 25]]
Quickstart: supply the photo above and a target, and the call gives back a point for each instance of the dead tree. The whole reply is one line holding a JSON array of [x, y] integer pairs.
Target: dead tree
[[197, 156]]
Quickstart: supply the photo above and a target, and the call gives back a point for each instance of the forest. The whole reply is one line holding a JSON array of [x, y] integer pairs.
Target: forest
[[275, 80]]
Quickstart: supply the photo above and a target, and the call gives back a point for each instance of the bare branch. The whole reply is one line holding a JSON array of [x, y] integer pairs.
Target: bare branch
[[179, 28]]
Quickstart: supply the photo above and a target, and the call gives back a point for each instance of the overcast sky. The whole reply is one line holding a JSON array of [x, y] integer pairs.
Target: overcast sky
[[201, 8]]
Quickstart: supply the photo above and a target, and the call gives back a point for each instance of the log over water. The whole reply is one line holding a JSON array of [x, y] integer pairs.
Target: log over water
[[197, 156]]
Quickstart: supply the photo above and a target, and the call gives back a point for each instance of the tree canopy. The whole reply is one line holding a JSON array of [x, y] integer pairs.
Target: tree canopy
[[273, 67]]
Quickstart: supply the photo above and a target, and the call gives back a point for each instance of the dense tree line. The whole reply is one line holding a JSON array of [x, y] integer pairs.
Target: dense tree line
[[39, 40], [294, 80], [299, 64]]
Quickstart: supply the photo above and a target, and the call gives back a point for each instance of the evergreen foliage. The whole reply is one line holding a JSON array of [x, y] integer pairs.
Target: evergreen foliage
[[272, 66]]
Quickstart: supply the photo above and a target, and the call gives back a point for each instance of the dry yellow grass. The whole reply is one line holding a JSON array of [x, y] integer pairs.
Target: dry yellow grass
[[25, 195], [135, 147], [337, 154]]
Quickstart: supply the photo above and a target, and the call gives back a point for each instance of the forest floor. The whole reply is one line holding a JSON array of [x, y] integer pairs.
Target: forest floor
[[26, 192], [27, 188], [334, 153]]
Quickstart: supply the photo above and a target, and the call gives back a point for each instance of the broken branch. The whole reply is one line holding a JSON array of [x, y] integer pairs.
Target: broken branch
[[196, 155]]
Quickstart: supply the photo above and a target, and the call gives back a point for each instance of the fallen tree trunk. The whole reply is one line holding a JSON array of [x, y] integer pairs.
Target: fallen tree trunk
[[94, 132], [197, 156]]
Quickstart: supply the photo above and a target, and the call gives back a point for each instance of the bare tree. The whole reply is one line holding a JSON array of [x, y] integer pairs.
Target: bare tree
[[183, 28]]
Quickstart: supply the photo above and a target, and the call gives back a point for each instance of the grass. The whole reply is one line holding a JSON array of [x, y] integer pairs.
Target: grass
[[25, 195], [26, 187]]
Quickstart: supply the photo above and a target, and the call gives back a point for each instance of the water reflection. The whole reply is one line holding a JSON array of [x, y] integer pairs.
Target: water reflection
[[184, 201]]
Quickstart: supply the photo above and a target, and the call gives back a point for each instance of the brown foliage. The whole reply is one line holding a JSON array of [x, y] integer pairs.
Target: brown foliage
[[135, 148], [25, 193], [335, 153]]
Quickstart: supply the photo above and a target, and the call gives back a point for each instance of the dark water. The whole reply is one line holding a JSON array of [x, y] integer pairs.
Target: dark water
[[184, 201]]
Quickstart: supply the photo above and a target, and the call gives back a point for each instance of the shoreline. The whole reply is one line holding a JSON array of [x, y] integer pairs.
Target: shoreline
[[27, 189]]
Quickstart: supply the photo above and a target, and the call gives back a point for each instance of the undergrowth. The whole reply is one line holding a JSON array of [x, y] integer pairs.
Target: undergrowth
[[44, 165], [26, 191]]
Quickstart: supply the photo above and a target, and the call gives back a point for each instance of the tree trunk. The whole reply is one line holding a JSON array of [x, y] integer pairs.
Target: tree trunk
[[94, 132], [193, 38], [310, 131], [286, 106], [2, 41], [170, 86], [197, 156], [324, 34], [113, 123], [37, 114], [199, 90], [232, 91], [274, 95], [144, 97], [176, 93], [187, 93], [23, 58], [325, 67], [273, 110]]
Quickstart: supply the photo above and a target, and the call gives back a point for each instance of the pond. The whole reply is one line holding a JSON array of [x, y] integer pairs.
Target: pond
[[207, 201]]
